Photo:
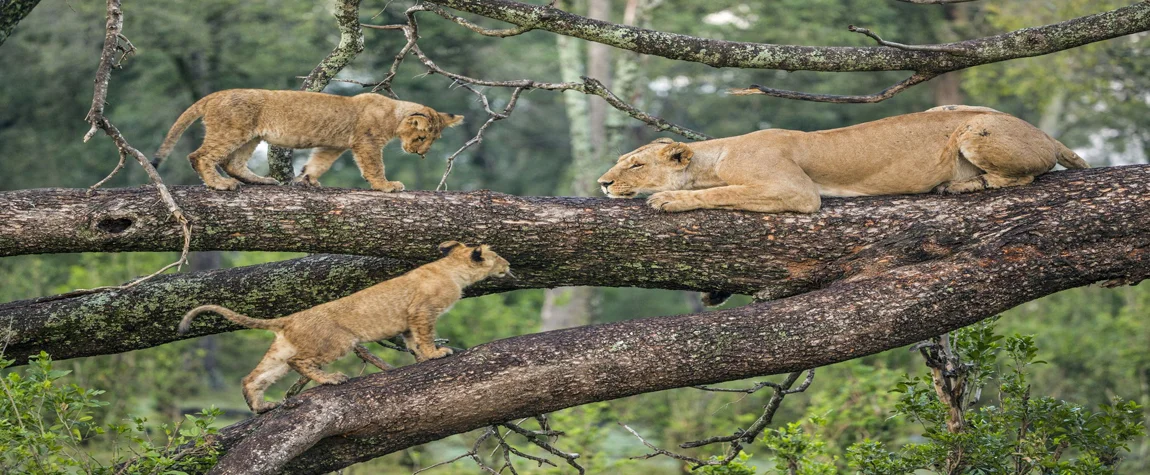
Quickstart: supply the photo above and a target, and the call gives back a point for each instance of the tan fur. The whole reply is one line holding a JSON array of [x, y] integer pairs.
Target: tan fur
[[949, 149], [238, 119], [407, 305]]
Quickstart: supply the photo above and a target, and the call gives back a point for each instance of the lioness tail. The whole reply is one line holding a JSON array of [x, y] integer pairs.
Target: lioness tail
[[261, 324], [182, 123], [1068, 158]]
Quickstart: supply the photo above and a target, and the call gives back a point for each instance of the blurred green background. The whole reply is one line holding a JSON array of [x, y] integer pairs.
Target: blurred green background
[[1094, 98]]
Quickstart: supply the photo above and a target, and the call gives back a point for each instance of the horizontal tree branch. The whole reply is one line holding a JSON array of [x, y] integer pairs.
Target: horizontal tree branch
[[733, 54], [550, 242], [1024, 256]]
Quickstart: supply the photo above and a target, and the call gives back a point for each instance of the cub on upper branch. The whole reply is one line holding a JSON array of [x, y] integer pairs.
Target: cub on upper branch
[[238, 119], [407, 305], [949, 149]]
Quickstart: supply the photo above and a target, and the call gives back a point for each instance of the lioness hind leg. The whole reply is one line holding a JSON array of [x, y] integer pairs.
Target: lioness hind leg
[[237, 165]]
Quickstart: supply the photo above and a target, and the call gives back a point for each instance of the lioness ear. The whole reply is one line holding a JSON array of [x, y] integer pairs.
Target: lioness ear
[[477, 254], [663, 140], [677, 152], [446, 247], [450, 120]]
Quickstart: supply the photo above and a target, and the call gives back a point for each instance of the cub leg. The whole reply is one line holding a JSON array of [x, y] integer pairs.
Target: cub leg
[[420, 338], [312, 371], [369, 158], [270, 370], [237, 165], [1010, 151], [761, 198], [215, 151], [320, 161]]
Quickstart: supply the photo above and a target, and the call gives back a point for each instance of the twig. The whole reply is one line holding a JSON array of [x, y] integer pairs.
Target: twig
[[504, 33], [492, 116], [957, 50], [114, 41], [887, 93], [935, 2], [740, 436]]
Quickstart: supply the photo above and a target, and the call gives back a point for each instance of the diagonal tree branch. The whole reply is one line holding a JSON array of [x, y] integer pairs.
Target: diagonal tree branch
[[550, 242], [11, 13], [330, 427]]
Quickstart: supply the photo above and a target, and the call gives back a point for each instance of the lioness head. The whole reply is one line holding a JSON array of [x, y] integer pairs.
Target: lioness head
[[420, 129], [657, 166], [481, 257]]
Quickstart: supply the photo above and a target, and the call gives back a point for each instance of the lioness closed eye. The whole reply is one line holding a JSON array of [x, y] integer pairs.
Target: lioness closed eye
[[407, 305], [237, 120], [949, 149]]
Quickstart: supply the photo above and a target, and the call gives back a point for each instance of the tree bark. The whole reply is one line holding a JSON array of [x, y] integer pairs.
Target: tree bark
[[11, 13], [550, 242], [1024, 256], [733, 54]]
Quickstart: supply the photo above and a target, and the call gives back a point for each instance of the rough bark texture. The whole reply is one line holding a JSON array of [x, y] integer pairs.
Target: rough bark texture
[[550, 242], [1023, 255], [11, 12], [732, 54]]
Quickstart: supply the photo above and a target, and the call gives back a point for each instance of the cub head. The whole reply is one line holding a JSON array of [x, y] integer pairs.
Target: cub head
[[419, 129], [479, 257], [658, 166]]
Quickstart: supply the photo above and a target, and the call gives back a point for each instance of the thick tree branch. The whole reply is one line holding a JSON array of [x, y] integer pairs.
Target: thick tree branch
[[1024, 258], [11, 12], [550, 242]]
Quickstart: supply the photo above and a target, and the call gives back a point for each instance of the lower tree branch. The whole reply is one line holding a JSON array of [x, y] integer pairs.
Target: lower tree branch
[[334, 426], [550, 242]]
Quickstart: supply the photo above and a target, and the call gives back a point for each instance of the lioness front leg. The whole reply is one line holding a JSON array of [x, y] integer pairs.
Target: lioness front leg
[[763, 199]]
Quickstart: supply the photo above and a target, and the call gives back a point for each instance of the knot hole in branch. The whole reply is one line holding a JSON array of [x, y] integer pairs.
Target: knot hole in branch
[[115, 224]]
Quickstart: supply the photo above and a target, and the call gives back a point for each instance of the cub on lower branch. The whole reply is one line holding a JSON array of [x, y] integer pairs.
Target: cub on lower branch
[[407, 305], [236, 120], [948, 149]]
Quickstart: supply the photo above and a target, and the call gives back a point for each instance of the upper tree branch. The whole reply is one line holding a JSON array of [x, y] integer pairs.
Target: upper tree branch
[[1023, 258], [734, 54], [11, 12], [550, 242]]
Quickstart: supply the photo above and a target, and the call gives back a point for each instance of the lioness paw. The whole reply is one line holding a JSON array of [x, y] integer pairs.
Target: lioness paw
[[672, 201]]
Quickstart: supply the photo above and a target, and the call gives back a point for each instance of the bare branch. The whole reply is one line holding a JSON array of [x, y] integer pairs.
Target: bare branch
[[958, 50], [492, 116], [936, 2], [867, 99], [115, 41], [476, 28]]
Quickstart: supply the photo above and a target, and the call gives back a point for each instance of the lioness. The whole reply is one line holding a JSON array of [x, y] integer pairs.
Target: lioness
[[238, 119], [407, 305], [949, 149]]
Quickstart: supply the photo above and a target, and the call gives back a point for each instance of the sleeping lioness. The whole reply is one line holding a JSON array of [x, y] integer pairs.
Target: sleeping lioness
[[948, 149]]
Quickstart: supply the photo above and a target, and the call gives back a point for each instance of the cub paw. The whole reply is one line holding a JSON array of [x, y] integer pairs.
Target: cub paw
[[672, 201], [305, 180], [265, 407], [224, 185], [388, 186], [336, 378], [440, 353]]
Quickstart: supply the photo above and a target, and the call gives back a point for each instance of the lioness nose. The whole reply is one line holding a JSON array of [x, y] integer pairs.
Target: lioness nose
[[606, 183]]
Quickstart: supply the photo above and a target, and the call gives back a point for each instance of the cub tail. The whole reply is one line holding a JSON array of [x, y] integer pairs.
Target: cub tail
[[261, 324], [182, 123], [1068, 158]]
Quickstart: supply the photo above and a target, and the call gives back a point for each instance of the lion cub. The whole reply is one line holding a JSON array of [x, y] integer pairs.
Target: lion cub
[[238, 119], [407, 305]]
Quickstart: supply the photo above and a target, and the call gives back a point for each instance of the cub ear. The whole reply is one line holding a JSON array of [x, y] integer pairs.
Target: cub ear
[[450, 120], [677, 153], [418, 120], [477, 254], [446, 247]]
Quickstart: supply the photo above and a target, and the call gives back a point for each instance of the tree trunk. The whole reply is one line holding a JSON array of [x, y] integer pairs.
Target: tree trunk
[[550, 242]]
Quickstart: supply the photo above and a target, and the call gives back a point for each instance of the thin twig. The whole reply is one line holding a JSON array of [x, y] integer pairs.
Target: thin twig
[[114, 41], [492, 116], [504, 33], [956, 50], [935, 2], [887, 93]]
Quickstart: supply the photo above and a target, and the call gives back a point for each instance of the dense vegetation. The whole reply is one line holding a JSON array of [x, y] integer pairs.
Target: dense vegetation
[[1093, 340]]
